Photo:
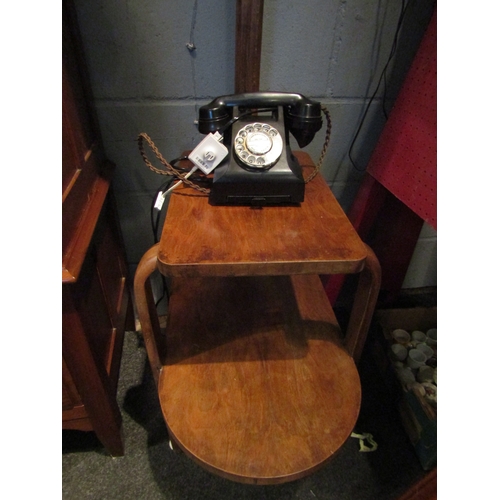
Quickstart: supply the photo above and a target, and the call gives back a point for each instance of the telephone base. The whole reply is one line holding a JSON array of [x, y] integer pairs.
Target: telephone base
[[255, 200], [281, 185]]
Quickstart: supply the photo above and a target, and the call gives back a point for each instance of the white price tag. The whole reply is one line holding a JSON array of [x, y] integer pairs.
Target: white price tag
[[160, 199], [209, 153]]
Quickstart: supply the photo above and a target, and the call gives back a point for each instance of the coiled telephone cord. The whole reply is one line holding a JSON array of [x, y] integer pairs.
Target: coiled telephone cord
[[325, 145], [170, 170]]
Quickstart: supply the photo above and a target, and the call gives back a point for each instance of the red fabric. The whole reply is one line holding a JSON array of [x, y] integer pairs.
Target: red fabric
[[404, 160]]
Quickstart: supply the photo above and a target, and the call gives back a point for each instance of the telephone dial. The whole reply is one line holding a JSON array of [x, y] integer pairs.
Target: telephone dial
[[259, 167]]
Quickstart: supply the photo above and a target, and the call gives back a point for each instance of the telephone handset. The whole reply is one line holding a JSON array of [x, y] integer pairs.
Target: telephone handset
[[259, 168]]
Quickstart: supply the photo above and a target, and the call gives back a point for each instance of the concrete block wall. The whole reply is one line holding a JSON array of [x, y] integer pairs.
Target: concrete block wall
[[145, 79]]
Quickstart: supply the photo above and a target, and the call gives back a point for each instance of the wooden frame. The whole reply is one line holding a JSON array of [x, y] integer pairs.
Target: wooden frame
[[249, 15]]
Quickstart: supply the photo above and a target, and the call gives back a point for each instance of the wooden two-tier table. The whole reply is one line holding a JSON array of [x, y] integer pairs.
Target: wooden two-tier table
[[255, 379]]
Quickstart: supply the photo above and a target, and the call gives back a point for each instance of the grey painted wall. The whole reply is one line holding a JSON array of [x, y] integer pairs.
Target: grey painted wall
[[144, 79]]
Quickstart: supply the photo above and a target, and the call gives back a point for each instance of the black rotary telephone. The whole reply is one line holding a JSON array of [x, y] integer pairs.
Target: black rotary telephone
[[259, 168]]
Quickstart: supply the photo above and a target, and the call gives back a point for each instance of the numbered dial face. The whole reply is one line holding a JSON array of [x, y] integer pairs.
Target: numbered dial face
[[258, 145]]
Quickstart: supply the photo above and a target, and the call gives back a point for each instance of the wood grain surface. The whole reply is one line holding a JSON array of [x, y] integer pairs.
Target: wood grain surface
[[314, 238], [249, 14], [256, 386]]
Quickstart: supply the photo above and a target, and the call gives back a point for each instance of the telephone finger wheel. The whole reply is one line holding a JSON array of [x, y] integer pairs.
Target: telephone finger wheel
[[258, 145]]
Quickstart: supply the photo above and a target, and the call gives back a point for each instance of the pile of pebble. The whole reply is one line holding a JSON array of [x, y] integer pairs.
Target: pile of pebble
[[414, 356]]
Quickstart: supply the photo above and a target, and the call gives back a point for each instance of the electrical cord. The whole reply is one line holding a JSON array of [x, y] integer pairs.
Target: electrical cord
[[393, 52], [171, 171], [155, 211], [155, 222], [155, 214], [383, 77]]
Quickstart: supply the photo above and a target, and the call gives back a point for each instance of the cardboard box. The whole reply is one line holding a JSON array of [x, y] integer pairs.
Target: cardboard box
[[419, 418]]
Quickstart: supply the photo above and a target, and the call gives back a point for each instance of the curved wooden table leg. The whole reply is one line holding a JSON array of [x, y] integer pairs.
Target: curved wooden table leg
[[365, 301], [146, 309]]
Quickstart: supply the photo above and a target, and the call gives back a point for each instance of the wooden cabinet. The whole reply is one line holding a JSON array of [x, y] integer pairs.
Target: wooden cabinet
[[95, 298]]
